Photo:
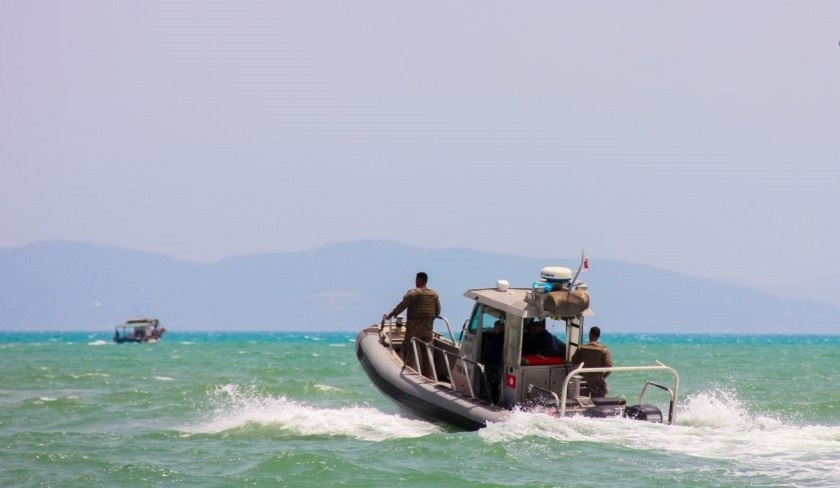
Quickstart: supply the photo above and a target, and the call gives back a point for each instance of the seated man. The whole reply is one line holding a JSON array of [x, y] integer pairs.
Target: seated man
[[538, 340]]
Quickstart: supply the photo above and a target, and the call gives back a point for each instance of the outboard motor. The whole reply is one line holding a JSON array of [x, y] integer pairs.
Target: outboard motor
[[648, 413]]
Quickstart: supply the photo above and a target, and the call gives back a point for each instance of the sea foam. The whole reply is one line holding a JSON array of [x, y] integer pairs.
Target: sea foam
[[236, 408], [712, 424]]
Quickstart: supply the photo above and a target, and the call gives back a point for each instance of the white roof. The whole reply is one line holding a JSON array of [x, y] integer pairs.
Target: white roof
[[510, 301]]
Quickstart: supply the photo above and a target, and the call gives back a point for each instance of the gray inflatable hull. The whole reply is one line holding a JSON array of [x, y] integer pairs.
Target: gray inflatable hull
[[417, 395]]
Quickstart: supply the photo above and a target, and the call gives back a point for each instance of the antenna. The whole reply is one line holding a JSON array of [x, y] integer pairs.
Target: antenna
[[584, 263]]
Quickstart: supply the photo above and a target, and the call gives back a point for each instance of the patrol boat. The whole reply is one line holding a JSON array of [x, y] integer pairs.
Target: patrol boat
[[139, 330], [470, 385]]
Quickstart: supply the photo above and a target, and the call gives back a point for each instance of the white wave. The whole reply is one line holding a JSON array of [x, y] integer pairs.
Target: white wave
[[719, 408], [99, 342], [67, 398], [711, 425], [235, 407], [163, 378]]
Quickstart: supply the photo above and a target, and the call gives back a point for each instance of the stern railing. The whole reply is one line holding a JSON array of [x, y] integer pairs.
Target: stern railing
[[672, 413]]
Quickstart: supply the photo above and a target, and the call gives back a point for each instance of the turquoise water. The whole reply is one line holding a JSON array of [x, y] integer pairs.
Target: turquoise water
[[285, 409]]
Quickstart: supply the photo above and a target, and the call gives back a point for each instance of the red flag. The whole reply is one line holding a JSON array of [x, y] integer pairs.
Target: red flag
[[585, 262]]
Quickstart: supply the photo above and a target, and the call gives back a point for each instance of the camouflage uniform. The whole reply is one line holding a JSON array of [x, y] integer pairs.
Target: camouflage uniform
[[423, 306], [594, 355]]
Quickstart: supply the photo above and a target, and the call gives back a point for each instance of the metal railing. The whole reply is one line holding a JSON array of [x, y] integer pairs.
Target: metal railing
[[400, 324], [672, 414], [451, 335], [430, 348]]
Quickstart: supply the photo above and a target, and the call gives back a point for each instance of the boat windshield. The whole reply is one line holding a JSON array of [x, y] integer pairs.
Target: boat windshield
[[485, 318]]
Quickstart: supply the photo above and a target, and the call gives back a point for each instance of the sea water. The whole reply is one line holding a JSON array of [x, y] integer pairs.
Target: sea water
[[295, 409]]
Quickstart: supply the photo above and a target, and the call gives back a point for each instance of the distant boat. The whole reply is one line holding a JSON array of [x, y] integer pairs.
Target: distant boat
[[139, 330], [469, 385]]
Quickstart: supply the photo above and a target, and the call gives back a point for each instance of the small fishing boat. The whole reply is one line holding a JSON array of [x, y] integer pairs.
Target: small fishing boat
[[484, 375], [139, 330]]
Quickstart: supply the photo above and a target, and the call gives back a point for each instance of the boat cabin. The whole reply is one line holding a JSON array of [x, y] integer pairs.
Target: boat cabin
[[496, 336]]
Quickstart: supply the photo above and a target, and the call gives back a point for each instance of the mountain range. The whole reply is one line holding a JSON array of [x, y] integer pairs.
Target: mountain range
[[66, 285]]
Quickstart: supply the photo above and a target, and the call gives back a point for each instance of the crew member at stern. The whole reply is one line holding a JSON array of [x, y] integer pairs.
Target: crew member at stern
[[594, 355]]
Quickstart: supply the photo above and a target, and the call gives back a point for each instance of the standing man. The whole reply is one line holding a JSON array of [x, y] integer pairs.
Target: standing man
[[423, 306], [594, 355]]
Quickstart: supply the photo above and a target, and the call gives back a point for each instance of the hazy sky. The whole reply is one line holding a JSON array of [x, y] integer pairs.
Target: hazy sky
[[700, 137]]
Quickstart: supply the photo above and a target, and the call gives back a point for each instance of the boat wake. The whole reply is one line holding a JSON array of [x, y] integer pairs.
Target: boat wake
[[713, 425], [236, 409]]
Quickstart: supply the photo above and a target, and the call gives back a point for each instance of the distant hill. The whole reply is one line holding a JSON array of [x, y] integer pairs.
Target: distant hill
[[61, 285]]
